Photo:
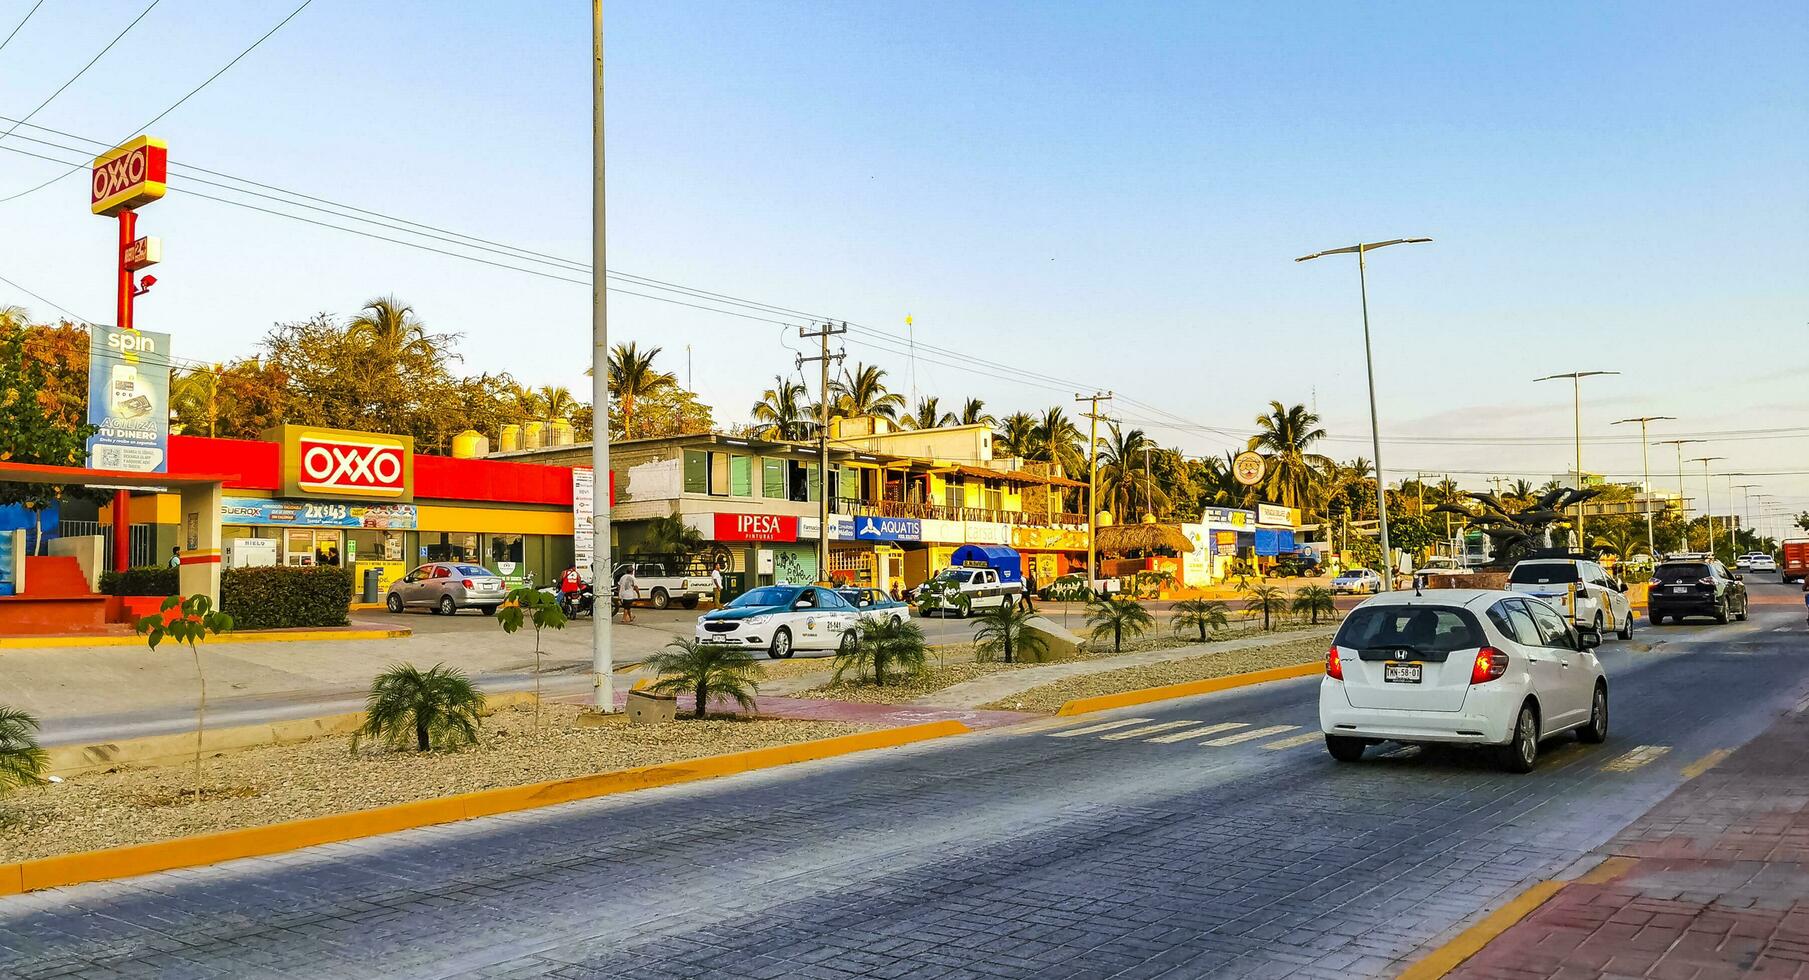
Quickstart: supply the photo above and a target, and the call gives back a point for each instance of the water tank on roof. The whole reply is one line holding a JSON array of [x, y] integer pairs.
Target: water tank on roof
[[533, 435], [510, 437], [561, 433], [470, 444]]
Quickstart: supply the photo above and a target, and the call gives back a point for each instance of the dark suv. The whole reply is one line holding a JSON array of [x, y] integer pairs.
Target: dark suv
[[1696, 587]]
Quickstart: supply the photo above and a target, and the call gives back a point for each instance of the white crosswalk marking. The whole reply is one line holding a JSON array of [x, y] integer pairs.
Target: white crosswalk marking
[[1202, 731], [1145, 730], [1639, 756], [1253, 733], [1292, 743], [1106, 727]]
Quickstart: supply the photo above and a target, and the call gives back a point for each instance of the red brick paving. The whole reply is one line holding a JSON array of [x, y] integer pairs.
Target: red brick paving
[[1719, 885]]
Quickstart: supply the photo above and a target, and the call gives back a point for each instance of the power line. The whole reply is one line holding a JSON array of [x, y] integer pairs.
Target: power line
[[42, 299], [90, 64], [173, 106], [21, 26]]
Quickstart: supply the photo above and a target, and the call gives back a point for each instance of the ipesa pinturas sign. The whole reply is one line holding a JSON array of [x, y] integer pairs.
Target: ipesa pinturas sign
[[129, 175]]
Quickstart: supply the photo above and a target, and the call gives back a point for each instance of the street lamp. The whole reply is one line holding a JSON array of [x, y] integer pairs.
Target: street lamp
[[1708, 499], [1645, 459], [1369, 366], [1576, 387], [1747, 489], [1683, 510], [602, 671]]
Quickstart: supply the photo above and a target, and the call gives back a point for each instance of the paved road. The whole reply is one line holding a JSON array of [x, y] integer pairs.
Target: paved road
[[1054, 852]]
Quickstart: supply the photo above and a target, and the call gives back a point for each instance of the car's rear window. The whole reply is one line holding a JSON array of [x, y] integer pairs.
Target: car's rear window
[[471, 570], [1543, 573], [1680, 571], [1428, 629]]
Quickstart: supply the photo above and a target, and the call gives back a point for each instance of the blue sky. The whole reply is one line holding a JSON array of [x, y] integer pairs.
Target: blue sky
[[1107, 194]]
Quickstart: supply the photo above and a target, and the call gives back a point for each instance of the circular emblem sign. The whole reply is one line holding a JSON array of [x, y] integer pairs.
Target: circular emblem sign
[[1247, 468]]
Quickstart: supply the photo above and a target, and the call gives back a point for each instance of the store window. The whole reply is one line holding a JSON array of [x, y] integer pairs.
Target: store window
[[954, 494], [451, 546], [307, 547], [371, 545], [508, 554]]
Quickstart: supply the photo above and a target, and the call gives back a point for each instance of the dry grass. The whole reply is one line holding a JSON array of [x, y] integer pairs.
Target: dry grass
[[1050, 697], [323, 776]]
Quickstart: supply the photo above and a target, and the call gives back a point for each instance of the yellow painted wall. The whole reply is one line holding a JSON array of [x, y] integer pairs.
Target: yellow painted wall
[[163, 508], [494, 519]]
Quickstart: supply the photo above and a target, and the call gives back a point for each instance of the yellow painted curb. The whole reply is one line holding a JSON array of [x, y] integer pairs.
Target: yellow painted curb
[[249, 636], [1471, 941], [1104, 702], [187, 852]]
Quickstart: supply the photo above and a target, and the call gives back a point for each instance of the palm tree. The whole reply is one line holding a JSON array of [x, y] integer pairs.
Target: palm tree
[[1017, 436], [557, 401], [195, 398], [1117, 618], [21, 761], [883, 646], [439, 707], [1622, 539], [1286, 434], [1265, 598], [1199, 614], [1005, 629], [1314, 600], [1124, 480], [706, 669], [389, 326], [863, 392], [1521, 492], [973, 412], [528, 403], [670, 535], [633, 377], [780, 413], [1058, 441], [929, 414]]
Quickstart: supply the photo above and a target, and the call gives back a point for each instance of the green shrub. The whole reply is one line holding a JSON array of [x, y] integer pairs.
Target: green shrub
[[282, 596], [147, 580]]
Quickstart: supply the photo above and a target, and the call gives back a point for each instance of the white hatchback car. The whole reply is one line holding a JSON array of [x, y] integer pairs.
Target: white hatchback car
[[1460, 666]]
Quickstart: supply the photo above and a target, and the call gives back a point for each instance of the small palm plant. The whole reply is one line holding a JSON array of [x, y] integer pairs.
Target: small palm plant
[[883, 647], [1314, 601], [706, 669], [1269, 600], [1005, 629], [21, 761], [437, 708], [195, 617], [1118, 618], [1199, 614], [541, 610]]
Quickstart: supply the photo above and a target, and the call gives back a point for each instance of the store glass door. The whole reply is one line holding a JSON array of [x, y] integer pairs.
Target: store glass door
[[306, 547]]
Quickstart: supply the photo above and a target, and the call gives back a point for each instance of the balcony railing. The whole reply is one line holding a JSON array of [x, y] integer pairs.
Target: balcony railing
[[942, 512]]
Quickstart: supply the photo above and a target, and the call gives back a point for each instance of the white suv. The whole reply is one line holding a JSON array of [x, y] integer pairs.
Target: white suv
[[1460, 666], [1595, 601]]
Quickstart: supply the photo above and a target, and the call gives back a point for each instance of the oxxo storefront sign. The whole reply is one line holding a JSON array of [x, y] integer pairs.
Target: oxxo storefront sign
[[129, 175], [340, 464]]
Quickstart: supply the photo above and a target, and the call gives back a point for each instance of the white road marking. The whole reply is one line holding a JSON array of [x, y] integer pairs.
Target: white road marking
[[1203, 730], [1251, 734], [1145, 730], [1639, 756], [1295, 742], [1106, 727]]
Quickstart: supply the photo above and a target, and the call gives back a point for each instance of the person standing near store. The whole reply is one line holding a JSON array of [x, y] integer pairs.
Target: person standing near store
[[176, 556], [716, 585], [624, 586], [1029, 588]]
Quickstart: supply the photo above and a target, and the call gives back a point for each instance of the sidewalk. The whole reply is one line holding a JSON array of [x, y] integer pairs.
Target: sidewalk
[[1713, 882]]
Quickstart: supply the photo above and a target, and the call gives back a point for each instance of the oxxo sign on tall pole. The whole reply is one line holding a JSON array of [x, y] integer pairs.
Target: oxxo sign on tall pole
[[128, 375]]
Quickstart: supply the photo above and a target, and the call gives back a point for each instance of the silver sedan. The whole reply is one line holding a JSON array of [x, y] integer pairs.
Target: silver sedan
[[447, 587]]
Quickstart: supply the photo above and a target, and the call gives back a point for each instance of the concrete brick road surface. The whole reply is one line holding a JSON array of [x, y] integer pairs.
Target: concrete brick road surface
[[1204, 837]]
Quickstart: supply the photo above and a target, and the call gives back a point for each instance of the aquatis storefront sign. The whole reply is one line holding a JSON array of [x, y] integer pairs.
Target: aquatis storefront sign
[[888, 529]]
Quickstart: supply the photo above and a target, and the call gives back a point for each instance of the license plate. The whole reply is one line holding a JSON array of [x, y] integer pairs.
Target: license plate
[[1401, 673], [1680, 588]]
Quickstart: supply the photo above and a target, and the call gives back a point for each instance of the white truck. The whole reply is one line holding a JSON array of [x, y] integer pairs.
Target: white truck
[[660, 588]]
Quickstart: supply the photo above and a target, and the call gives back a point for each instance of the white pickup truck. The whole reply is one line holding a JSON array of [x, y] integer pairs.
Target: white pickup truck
[[660, 589]]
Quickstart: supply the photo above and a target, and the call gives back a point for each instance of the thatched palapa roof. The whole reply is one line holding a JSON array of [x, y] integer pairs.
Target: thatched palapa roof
[[1121, 538]]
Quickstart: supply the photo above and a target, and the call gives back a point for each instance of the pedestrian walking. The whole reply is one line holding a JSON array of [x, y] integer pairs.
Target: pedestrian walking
[[1029, 588], [716, 585], [627, 590], [176, 557]]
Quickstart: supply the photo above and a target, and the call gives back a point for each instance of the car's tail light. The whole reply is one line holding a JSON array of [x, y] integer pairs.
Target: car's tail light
[[1490, 663], [467, 584], [1334, 667]]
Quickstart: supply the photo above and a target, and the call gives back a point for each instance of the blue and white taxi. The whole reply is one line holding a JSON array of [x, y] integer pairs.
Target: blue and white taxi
[[875, 604], [781, 620]]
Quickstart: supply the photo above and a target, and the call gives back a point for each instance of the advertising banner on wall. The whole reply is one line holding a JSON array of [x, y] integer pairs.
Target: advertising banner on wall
[[584, 490], [888, 529], [129, 399], [755, 527], [1277, 515], [305, 513]]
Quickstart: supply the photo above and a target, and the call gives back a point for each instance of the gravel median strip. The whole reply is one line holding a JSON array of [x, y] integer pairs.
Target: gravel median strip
[[1050, 697], [323, 776]]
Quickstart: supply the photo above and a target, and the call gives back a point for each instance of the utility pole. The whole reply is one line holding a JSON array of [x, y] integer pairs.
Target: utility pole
[[1148, 482], [1645, 459], [1092, 475], [1708, 499], [602, 670], [1683, 511], [1746, 491], [1576, 393], [823, 334]]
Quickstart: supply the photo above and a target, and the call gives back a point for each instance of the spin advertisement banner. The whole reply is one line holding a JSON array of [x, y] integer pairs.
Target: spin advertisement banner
[[129, 399]]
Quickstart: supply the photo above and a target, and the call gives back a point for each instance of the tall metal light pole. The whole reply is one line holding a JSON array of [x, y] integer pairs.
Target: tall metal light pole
[[1092, 475], [1369, 366], [602, 670], [1645, 459], [1708, 498], [1746, 489], [1683, 510], [1576, 390]]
